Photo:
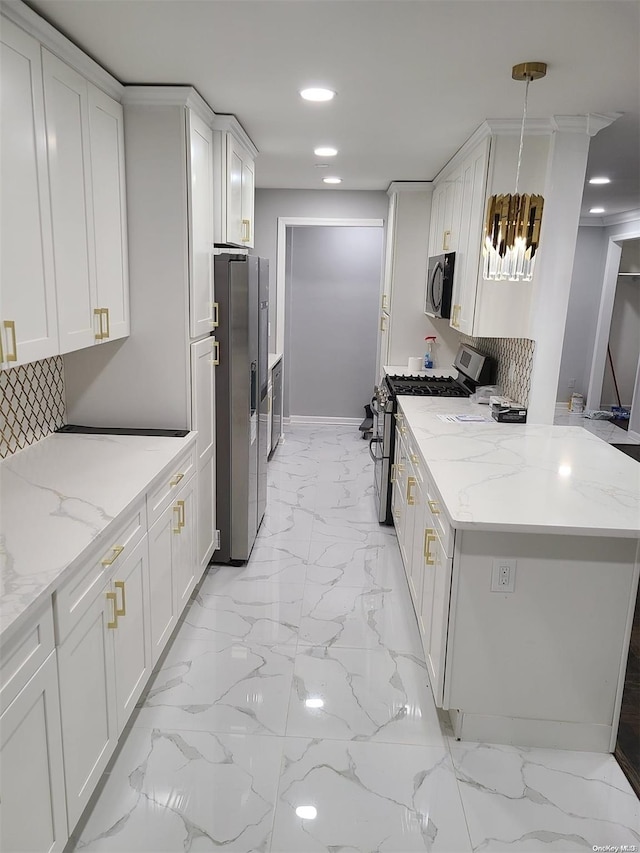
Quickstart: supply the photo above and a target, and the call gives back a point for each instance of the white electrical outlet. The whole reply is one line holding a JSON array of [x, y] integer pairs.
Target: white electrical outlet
[[503, 576], [571, 384]]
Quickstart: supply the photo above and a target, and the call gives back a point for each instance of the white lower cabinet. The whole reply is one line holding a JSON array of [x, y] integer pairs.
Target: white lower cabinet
[[32, 809], [204, 360], [172, 565], [206, 527], [104, 664], [435, 608]]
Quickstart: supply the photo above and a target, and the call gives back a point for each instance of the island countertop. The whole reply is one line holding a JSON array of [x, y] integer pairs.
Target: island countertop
[[524, 477], [59, 498]]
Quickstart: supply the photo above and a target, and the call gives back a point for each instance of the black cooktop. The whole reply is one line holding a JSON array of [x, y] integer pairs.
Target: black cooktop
[[426, 386]]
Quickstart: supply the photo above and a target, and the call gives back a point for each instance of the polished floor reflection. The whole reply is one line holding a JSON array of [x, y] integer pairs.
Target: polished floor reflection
[[292, 711]]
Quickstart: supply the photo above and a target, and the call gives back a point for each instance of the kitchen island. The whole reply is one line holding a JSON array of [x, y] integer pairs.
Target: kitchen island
[[521, 549]]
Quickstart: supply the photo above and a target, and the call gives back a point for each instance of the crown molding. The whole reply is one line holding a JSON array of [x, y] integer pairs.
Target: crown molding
[[409, 186], [53, 40], [169, 96], [613, 219], [228, 123], [590, 124], [513, 126]]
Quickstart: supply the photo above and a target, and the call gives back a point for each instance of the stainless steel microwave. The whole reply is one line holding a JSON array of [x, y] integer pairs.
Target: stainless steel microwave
[[439, 289]]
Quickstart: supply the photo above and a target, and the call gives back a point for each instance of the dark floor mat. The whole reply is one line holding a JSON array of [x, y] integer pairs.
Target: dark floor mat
[[632, 450]]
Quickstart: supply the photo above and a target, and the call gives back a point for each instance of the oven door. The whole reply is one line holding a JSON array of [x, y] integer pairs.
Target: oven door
[[381, 481]]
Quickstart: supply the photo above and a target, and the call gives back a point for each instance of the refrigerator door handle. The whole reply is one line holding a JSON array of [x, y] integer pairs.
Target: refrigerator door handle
[[254, 387]]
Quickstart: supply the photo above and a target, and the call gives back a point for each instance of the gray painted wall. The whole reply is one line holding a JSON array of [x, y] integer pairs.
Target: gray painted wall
[[333, 290], [328, 204]]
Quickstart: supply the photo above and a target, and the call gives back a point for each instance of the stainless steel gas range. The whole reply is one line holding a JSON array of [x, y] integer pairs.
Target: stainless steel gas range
[[473, 369]]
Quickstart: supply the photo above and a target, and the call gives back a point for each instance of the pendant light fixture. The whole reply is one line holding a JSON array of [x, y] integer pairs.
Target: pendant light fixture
[[512, 230]]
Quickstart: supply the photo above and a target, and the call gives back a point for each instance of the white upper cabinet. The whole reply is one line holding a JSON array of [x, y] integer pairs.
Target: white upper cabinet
[[106, 136], [67, 118], [240, 194], [28, 324], [200, 195], [63, 227]]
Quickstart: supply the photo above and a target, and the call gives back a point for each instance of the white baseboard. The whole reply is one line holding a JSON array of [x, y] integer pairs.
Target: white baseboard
[[321, 419]]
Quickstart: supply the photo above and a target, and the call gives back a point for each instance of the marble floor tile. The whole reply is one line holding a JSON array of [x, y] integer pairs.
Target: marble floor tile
[[370, 567], [353, 618], [540, 799], [172, 791], [286, 563], [259, 612], [235, 688], [356, 797], [292, 524], [362, 695]]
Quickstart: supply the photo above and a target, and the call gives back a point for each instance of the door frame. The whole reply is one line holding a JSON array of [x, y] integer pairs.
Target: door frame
[[285, 222], [603, 329]]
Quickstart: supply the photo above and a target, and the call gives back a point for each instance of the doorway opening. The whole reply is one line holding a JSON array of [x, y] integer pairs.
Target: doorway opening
[[329, 277]]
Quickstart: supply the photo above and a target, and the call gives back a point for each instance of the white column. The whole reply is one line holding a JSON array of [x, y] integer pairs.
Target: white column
[[564, 185]]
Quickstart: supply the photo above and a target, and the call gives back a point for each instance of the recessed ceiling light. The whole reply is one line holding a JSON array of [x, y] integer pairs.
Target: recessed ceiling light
[[332, 180], [317, 94], [596, 210], [325, 152], [314, 702], [600, 180]]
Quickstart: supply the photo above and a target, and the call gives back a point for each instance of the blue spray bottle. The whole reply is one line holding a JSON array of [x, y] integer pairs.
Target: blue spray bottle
[[428, 358]]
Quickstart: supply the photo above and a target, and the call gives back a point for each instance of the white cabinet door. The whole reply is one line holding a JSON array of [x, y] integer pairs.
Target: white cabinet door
[[106, 135], [248, 195], [67, 114], [185, 561], [32, 806], [132, 639], [200, 153], [206, 513], [28, 323], [473, 183], [436, 225], [415, 547], [87, 702], [204, 356], [234, 192], [439, 620], [162, 569]]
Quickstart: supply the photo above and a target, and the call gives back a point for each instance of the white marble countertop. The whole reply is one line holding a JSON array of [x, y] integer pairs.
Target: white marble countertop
[[524, 477], [274, 358], [59, 498]]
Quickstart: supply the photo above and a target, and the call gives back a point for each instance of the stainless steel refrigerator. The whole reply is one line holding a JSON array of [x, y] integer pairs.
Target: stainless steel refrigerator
[[242, 294]]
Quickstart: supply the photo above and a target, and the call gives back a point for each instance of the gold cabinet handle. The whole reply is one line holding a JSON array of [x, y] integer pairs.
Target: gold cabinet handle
[[246, 229], [434, 507], [181, 513], [385, 304], [116, 550], [411, 482], [175, 480], [429, 537], [394, 468], [445, 241], [414, 458], [123, 610], [455, 318], [215, 361], [178, 529], [112, 596], [216, 315], [97, 312], [105, 311], [1, 351], [268, 405], [11, 327], [383, 324], [397, 513]]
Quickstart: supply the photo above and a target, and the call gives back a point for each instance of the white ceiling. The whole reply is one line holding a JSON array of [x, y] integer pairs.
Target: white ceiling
[[414, 77]]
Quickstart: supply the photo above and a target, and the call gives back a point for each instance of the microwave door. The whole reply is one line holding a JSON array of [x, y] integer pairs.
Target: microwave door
[[436, 288]]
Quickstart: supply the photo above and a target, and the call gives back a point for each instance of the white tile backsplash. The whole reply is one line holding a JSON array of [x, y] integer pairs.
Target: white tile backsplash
[[515, 361]]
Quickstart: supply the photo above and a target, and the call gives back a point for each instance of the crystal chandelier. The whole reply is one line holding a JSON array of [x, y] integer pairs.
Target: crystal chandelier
[[512, 230]]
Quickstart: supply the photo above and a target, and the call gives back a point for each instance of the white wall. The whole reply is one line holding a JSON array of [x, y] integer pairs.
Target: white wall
[[624, 343], [582, 313], [335, 204]]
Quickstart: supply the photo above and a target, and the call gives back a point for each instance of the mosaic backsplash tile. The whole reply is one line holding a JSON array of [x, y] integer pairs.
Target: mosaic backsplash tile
[[515, 362], [31, 403]]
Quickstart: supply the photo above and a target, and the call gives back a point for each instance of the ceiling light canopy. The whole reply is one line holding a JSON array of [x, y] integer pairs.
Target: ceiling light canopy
[[317, 94], [512, 231], [332, 180], [601, 180], [325, 151]]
